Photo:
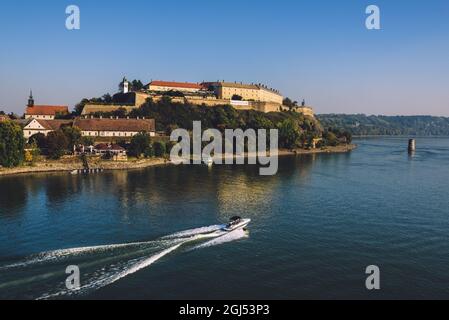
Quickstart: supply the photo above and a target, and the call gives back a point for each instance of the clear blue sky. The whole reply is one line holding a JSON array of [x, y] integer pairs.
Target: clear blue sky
[[318, 50]]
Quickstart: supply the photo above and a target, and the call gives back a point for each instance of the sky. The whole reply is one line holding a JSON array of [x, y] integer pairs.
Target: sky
[[317, 50]]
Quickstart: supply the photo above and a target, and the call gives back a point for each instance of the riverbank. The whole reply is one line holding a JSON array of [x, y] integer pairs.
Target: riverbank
[[69, 164]]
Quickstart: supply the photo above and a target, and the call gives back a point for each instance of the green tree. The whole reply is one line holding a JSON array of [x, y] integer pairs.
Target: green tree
[[330, 138], [136, 85], [160, 149], [289, 103], [87, 141], [107, 98], [80, 106], [120, 112], [139, 143], [57, 143], [12, 144], [289, 134], [236, 97], [39, 139], [73, 135]]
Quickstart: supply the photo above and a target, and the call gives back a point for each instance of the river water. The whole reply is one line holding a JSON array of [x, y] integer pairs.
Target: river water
[[316, 226]]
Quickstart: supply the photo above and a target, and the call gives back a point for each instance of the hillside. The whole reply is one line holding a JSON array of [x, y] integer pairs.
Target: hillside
[[360, 124]]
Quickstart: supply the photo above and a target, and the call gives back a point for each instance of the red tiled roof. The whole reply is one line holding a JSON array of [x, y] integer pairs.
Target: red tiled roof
[[124, 125], [54, 125], [186, 85], [46, 110]]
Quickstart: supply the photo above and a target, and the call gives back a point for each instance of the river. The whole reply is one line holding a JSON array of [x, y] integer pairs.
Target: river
[[316, 226]]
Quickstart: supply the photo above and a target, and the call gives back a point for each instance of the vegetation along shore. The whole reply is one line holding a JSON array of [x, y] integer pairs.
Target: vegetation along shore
[[139, 137], [71, 163]]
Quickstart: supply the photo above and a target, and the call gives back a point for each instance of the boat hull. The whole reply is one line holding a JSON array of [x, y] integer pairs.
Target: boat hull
[[240, 225]]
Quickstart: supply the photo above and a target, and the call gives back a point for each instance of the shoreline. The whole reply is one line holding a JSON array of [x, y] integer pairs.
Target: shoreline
[[70, 163]]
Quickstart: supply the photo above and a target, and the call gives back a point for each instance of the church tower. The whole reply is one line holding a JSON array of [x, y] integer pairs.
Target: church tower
[[31, 100], [125, 88]]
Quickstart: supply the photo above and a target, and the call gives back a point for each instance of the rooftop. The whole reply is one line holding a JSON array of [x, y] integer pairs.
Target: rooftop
[[126, 125], [54, 125], [186, 85], [45, 110]]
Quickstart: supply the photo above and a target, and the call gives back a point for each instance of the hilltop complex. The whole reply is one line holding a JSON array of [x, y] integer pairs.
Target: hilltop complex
[[239, 95]]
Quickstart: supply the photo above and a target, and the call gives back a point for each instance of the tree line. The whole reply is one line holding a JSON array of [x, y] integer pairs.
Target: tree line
[[363, 125]]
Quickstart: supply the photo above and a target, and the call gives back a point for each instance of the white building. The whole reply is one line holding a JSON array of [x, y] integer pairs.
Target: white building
[[44, 112], [34, 126], [111, 128]]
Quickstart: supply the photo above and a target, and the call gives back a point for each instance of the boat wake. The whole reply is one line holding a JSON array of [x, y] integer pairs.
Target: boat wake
[[100, 265]]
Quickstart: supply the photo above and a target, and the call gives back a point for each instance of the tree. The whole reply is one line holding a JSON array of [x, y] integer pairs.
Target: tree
[[107, 98], [139, 143], [174, 93], [80, 106], [32, 153], [136, 85], [289, 103], [236, 97], [120, 112], [12, 144], [87, 141], [13, 116], [73, 135], [160, 149], [289, 134], [57, 144], [39, 139], [330, 138]]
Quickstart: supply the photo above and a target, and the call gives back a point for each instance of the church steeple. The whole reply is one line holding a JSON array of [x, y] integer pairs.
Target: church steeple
[[31, 99]]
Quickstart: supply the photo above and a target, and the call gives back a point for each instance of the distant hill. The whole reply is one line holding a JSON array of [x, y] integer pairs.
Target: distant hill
[[360, 124]]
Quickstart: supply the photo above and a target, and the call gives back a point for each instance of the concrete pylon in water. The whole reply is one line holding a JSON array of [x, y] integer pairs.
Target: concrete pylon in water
[[412, 145]]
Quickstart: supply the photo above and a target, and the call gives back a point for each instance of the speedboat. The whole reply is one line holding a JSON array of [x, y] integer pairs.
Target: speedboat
[[236, 223]]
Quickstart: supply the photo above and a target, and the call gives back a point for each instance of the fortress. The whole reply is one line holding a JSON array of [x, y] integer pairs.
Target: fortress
[[239, 95]]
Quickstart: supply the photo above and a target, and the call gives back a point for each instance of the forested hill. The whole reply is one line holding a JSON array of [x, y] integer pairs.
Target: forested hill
[[360, 124]]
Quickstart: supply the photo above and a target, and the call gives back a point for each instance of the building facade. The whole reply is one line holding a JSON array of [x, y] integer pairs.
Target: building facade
[[115, 128], [95, 128], [34, 126], [248, 92], [165, 86], [44, 112]]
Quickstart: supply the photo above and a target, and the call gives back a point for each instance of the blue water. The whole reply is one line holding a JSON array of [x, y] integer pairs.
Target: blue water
[[315, 228]]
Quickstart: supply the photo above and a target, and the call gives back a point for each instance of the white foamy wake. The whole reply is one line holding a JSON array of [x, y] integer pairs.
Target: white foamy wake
[[120, 264], [194, 232], [65, 253], [110, 279], [227, 237]]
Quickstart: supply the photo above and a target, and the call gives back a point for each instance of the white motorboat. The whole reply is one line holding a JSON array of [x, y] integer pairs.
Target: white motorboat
[[236, 223]]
